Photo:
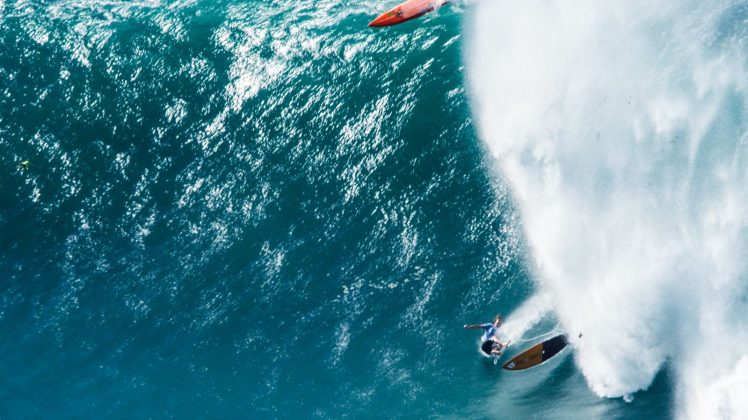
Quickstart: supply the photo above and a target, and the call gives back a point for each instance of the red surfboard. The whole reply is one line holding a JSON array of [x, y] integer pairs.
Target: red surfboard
[[404, 12]]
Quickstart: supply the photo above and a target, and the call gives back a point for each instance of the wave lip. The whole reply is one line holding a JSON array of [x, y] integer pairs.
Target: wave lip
[[623, 132]]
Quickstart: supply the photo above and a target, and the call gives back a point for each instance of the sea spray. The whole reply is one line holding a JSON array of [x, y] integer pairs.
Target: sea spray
[[622, 130], [526, 317]]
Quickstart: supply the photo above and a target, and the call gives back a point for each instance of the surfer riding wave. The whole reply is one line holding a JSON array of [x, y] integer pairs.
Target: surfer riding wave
[[490, 343]]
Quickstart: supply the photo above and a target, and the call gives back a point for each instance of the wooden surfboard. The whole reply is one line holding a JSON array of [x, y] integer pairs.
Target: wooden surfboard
[[537, 354]]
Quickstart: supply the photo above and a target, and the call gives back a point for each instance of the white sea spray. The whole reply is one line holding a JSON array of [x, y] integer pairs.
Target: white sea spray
[[622, 128]]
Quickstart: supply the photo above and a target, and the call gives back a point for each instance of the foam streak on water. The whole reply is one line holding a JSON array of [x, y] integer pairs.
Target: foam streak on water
[[622, 128]]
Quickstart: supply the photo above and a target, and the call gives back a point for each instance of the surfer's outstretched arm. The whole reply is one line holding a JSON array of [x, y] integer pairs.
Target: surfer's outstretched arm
[[472, 326]]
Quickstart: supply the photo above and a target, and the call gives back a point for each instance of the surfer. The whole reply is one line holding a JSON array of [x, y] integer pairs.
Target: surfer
[[490, 343]]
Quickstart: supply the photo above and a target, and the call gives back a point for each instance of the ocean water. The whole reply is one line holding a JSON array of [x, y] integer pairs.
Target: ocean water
[[268, 210]]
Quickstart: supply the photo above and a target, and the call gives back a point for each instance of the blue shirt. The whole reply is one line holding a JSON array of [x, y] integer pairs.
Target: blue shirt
[[489, 333]]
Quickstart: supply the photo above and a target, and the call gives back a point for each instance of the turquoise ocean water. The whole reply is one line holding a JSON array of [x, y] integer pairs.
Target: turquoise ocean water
[[263, 210]]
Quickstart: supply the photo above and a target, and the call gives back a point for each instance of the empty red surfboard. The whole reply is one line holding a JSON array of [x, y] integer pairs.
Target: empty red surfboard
[[404, 12]]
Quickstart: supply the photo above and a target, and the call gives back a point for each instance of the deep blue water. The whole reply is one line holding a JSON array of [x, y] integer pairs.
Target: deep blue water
[[256, 210]]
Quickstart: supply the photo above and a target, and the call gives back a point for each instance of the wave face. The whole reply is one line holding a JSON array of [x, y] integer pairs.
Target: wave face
[[622, 128], [242, 209]]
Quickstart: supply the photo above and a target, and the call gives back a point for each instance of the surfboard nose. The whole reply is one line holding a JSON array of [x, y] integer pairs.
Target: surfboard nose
[[385, 19]]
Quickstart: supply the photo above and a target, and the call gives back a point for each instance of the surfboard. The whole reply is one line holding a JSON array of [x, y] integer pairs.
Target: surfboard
[[537, 354], [404, 12]]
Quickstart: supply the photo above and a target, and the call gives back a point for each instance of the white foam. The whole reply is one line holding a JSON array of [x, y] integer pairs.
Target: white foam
[[524, 318], [621, 128]]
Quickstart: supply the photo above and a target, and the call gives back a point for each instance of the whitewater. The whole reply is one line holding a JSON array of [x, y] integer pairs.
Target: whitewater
[[622, 130]]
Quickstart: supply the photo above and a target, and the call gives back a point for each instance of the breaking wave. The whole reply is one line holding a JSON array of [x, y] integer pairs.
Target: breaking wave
[[622, 129]]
